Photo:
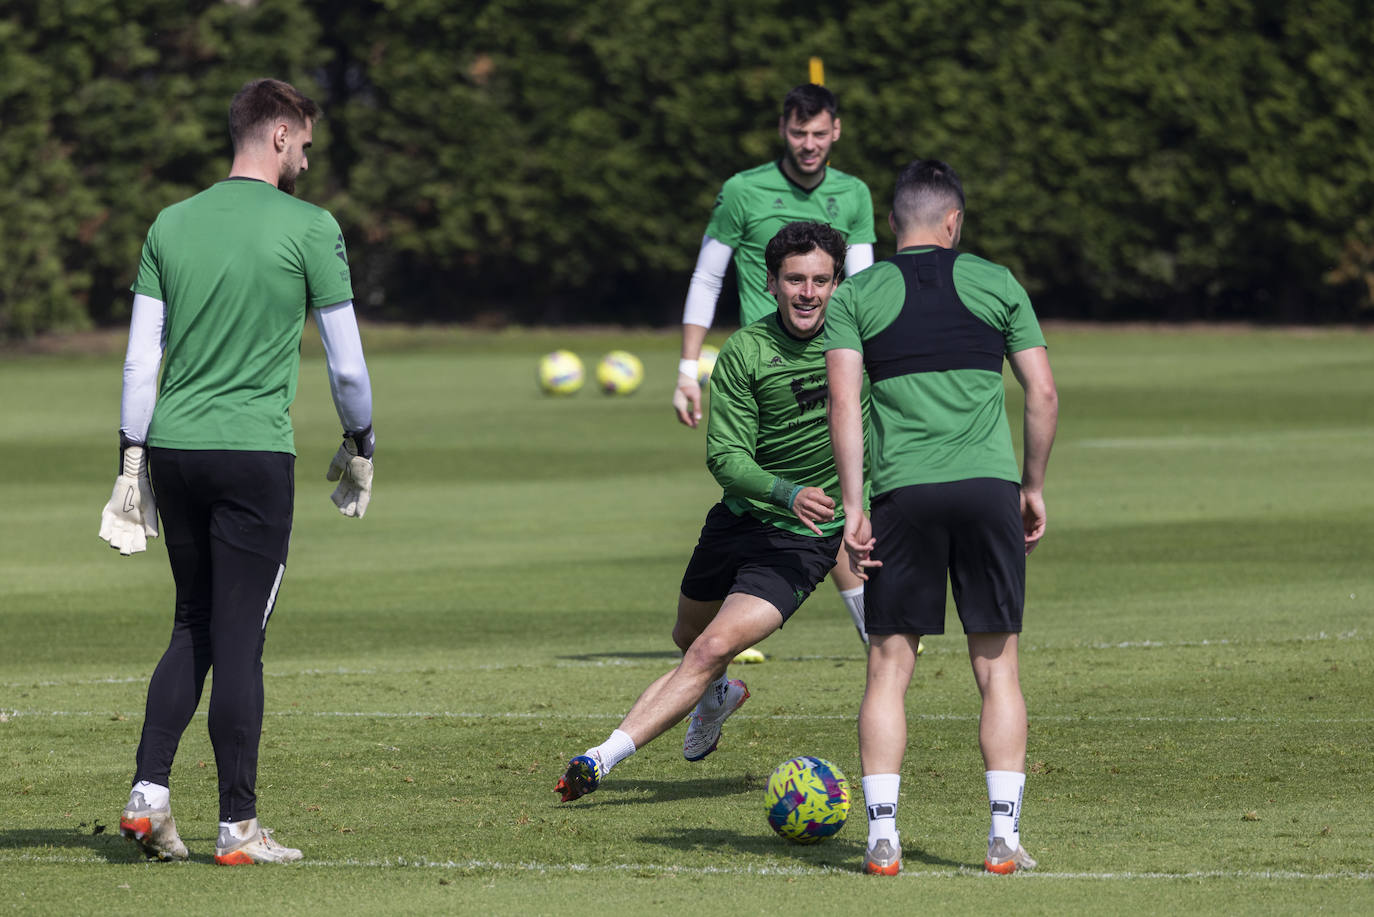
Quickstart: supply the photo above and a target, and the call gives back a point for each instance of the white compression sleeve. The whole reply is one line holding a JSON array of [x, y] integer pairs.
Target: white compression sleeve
[[857, 257], [141, 363], [707, 280], [343, 352]]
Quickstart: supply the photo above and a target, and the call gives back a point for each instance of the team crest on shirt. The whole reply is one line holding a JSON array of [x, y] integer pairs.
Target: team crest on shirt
[[832, 208]]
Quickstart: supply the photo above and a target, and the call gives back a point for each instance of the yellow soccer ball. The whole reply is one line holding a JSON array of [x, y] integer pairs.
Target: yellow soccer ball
[[619, 373], [560, 372], [706, 364]]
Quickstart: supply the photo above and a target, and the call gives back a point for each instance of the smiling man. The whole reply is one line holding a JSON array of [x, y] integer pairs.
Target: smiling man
[[774, 534], [750, 209]]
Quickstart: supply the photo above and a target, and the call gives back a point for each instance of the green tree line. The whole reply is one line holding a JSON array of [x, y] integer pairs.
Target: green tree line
[[555, 161]]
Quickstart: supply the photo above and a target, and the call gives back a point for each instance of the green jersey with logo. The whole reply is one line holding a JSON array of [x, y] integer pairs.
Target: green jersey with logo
[[237, 266], [753, 205], [767, 435], [933, 326]]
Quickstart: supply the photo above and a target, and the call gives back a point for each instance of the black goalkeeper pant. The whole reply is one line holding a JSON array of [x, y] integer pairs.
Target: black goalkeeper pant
[[226, 520]]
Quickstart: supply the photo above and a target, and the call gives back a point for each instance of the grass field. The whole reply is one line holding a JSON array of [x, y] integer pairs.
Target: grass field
[[1197, 659]]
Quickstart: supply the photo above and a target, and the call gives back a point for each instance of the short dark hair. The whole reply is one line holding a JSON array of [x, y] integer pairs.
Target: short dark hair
[[262, 101], [807, 101], [802, 237], [927, 189]]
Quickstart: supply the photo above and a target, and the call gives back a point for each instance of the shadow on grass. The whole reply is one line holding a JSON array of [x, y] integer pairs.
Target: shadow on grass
[[672, 655], [641, 792], [844, 852], [103, 841]]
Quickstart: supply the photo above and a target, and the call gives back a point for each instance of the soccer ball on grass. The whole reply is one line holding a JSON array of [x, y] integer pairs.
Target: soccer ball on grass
[[706, 364], [560, 372], [619, 373], [807, 799]]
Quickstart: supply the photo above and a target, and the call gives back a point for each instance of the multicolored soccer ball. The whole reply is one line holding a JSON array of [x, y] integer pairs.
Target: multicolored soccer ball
[[807, 799], [706, 364], [560, 372], [619, 372]]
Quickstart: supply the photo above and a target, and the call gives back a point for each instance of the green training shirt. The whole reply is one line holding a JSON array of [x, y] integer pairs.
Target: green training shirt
[[237, 266], [767, 436], [753, 205], [935, 420]]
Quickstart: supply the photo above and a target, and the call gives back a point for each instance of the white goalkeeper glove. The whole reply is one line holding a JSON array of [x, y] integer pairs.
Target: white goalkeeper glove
[[130, 518], [352, 468]]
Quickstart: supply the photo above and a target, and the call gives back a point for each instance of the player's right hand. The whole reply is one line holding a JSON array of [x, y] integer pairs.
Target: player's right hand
[[811, 505], [129, 519], [687, 401], [858, 544]]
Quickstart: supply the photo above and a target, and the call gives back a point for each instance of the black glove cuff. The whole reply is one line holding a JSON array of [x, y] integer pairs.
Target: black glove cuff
[[363, 441], [124, 443]]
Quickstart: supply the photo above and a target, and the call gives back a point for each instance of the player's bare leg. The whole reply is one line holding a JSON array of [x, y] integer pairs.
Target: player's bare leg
[[1002, 728], [882, 744], [742, 621]]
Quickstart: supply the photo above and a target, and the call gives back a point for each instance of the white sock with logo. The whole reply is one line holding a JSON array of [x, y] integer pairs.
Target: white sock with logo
[[714, 695], [155, 795], [614, 750], [880, 796], [1005, 789], [854, 601]]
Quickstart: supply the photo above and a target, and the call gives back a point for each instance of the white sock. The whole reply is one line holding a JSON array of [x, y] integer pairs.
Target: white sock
[[714, 695], [155, 795], [614, 750], [1005, 789], [880, 795], [245, 830], [854, 601]]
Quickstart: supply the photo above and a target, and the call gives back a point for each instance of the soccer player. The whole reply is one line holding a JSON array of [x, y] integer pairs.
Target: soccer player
[[774, 534], [750, 208], [931, 326], [223, 287]]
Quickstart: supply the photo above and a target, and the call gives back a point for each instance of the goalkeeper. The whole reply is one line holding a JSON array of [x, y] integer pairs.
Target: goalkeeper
[[223, 287], [774, 534]]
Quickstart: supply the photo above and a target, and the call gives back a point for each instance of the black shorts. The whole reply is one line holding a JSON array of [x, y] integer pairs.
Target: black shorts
[[742, 554], [967, 530], [244, 499]]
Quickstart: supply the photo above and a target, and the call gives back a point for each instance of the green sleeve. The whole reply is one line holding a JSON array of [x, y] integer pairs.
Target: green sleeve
[[728, 218], [841, 330], [1023, 330], [149, 279], [861, 226], [327, 275], [732, 433]]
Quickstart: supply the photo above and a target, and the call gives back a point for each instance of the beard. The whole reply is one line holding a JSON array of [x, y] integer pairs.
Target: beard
[[286, 181]]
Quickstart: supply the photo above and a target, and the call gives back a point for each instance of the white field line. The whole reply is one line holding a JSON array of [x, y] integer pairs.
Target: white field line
[[786, 869], [658, 662], [11, 713]]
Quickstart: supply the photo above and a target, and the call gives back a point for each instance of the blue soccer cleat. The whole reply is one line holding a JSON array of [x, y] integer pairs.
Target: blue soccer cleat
[[583, 776]]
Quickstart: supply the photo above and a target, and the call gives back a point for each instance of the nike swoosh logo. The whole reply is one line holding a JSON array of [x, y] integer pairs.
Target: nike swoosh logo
[[129, 500]]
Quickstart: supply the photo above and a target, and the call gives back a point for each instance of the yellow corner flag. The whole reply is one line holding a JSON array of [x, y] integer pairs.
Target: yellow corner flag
[[817, 71]]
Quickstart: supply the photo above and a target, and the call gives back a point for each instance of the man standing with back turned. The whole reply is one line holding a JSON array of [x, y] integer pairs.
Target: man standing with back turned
[[931, 326], [223, 286], [751, 207]]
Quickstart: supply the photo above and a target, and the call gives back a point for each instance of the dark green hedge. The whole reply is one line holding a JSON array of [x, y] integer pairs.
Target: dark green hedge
[[555, 160]]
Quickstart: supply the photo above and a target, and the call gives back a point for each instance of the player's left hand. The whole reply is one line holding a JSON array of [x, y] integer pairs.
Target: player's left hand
[[352, 468], [1032, 517], [130, 518], [811, 505]]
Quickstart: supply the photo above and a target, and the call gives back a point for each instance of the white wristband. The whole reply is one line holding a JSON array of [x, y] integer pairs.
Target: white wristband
[[687, 368]]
